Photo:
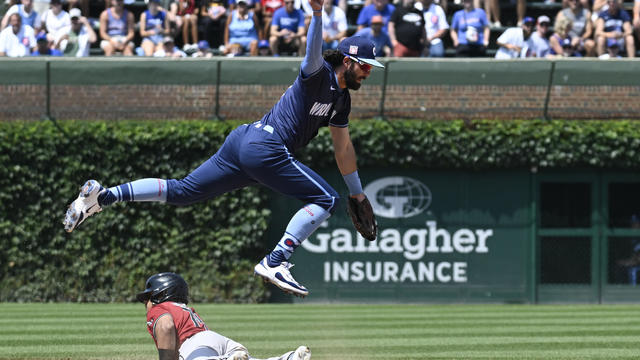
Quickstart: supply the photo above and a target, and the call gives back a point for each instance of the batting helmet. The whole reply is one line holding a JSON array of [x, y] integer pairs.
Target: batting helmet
[[163, 287]]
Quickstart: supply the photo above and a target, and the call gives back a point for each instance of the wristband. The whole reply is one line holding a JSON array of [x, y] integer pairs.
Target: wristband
[[353, 183], [317, 12]]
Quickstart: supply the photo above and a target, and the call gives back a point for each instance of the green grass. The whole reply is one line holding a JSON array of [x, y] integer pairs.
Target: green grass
[[335, 332]]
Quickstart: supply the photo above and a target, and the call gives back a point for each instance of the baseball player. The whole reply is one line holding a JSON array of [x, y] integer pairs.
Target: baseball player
[[180, 333], [262, 152]]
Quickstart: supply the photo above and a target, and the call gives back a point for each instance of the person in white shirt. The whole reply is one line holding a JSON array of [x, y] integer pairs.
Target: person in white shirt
[[56, 21], [334, 25], [539, 39], [77, 41], [513, 42], [436, 25], [17, 40], [29, 15], [169, 49]]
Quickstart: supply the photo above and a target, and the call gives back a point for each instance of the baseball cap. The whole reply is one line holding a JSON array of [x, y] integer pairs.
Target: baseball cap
[[543, 19], [263, 44], [528, 20], [566, 42], [203, 44], [41, 37], [167, 39], [359, 49], [56, 2], [75, 13], [242, 1], [377, 19]]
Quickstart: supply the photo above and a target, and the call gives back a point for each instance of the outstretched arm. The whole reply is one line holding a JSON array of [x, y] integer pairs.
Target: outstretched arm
[[312, 61], [346, 159]]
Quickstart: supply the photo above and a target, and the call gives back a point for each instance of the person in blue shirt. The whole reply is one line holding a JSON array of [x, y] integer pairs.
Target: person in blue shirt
[[375, 34], [263, 153], [378, 7], [470, 31], [614, 23], [287, 33], [42, 48]]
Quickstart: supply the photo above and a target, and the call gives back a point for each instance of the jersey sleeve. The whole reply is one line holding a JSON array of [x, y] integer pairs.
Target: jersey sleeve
[[340, 116], [152, 319]]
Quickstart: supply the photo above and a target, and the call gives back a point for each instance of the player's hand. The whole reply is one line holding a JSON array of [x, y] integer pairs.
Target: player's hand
[[316, 5]]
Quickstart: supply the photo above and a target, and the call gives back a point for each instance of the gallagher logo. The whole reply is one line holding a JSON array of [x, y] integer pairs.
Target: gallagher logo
[[397, 197]]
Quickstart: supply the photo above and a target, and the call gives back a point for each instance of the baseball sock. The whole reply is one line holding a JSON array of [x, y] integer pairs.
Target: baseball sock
[[139, 190], [301, 226]]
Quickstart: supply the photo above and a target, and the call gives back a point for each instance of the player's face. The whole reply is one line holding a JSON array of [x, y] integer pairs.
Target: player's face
[[354, 74]]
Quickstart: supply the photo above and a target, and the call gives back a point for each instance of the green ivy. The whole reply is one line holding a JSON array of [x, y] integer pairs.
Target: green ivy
[[215, 244]]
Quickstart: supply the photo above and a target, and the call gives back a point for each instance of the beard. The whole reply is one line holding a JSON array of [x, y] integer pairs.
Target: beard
[[350, 79]]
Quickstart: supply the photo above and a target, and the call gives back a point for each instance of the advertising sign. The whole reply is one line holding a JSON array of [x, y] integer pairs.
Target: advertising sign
[[443, 236]]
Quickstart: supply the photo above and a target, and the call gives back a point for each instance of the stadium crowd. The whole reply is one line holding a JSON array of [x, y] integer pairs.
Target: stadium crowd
[[404, 28]]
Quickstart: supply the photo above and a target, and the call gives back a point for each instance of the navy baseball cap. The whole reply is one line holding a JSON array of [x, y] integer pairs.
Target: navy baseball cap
[[528, 20], [359, 49]]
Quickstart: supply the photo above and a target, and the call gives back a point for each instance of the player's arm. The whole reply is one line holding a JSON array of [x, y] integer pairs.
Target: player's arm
[[312, 61], [345, 156], [164, 331]]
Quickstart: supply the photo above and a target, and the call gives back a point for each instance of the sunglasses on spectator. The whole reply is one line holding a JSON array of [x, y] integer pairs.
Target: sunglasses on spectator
[[364, 66]]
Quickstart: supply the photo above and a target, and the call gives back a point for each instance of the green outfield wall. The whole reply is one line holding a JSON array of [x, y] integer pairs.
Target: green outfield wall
[[478, 236], [236, 88]]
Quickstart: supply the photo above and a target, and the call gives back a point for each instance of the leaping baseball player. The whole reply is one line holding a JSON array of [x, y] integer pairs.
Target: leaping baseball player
[[262, 152], [180, 333]]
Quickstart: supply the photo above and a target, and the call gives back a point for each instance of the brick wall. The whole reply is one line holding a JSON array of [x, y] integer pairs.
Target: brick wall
[[252, 101]]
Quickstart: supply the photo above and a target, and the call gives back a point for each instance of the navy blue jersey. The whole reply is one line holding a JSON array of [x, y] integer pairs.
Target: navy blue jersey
[[310, 103], [614, 22]]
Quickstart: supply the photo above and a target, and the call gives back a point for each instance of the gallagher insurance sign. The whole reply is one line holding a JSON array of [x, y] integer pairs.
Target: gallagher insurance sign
[[442, 236]]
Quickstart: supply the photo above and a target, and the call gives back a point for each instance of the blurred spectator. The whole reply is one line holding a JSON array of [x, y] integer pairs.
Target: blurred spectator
[[17, 40], [406, 30], [514, 42], [287, 30], [187, 22], [560, 42], [81, 35], [214, 23], [42, 47], [521, 9], [636, 18], [56, 21], [470, 31], [613, 49], [268, 8], [582, 28], [169, 49], [631, 264], [254, 5], [154, 25], [116, 29], [436, 27], [204, 50], [375, 34], [41, 6], [242, 32], [263, 48], [539, 39], [492, 9], [27, 13], [378, 7], [334, 25], [615, 23]]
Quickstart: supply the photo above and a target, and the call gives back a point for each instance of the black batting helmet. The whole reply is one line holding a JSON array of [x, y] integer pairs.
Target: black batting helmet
[[163, 287]]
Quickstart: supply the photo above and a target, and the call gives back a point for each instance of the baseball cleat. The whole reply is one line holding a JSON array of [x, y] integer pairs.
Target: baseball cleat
[[85, 205], [239, 355], [281, 277], [301, 353]]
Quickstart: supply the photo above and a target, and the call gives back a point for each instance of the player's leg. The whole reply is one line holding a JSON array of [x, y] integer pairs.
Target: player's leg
[[214, 177], [274, 167], [301, 353]]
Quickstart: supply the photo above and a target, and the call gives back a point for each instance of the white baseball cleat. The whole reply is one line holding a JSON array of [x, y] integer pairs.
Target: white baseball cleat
[[281, 277], [85, 205], [301, 353], [239, 355]]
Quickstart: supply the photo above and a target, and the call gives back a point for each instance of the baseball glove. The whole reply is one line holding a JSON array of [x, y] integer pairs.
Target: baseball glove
[[363, 218]]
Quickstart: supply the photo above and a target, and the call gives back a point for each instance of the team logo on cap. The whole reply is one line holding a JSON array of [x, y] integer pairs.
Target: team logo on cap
[[353, 49], [374, 51]]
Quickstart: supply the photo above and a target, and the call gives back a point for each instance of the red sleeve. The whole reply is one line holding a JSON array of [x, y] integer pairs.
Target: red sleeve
[[153, 315]]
